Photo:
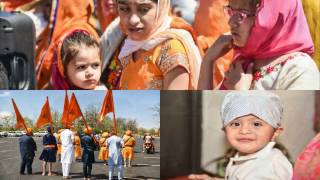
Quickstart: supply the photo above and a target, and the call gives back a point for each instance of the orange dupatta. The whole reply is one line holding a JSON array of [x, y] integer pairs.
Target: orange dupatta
[[66, 16], [210, 22]]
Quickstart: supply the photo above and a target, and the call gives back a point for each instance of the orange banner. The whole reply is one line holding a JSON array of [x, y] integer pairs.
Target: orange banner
[[45, 115], [20, 120]]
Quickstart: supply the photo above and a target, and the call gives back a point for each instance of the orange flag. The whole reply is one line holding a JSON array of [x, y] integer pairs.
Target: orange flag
[[107, 105], [64, 118], [20, 120], [45, 115], [74, 110]]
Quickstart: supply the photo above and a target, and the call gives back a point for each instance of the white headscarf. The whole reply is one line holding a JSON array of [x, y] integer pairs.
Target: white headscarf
[[163, 22], [264, 105]]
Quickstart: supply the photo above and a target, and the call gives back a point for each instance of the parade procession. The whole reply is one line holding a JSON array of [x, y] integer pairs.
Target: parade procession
[[74, 147]]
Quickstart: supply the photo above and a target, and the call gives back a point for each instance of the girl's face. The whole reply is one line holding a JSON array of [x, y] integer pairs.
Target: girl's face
[[137, 18], [249, 134], [241, 19], [84, 70]]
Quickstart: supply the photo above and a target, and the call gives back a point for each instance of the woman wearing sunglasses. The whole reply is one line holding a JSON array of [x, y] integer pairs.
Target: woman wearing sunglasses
[[272, 48]]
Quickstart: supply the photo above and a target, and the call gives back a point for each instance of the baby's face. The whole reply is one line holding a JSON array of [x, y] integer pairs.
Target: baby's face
[[249, 134], [84, 70], [241, 21]]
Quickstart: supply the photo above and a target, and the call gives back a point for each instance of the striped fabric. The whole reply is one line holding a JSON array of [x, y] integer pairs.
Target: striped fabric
[[263, 104]]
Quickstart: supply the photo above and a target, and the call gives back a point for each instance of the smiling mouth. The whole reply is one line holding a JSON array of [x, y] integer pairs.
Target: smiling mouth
[[245, 140]]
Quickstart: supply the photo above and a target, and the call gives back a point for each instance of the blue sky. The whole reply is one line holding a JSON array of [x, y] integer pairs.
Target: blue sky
[[128, 104]]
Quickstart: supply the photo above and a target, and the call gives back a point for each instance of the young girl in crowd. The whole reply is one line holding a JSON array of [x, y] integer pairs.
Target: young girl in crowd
[[78, 64], [272, 46], [252, 121], [157, 52]]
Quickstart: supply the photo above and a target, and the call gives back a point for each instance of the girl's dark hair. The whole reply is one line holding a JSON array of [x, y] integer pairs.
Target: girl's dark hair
[[71, 44]]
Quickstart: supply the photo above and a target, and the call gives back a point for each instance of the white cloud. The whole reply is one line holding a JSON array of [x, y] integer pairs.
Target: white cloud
[[5, 94]]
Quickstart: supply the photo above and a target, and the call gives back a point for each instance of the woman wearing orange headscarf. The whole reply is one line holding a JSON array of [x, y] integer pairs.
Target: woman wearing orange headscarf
[[210, 22], [154, 54], [66, 16], [106, 12]]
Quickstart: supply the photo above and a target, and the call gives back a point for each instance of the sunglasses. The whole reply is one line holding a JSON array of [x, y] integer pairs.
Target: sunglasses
[[240, 15]]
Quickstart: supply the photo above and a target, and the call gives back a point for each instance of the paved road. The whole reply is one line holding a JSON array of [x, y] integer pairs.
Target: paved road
[[146, 166]]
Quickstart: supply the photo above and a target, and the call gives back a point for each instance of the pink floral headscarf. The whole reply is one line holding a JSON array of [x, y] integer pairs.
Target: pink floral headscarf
[[280, 28]]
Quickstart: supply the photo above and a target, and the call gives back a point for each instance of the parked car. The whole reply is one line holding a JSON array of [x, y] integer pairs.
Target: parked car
[[12, 134], [40, 133], [3, 134]]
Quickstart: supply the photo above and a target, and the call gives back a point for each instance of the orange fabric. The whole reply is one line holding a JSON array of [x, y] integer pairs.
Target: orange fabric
[[129, 140], [103, 153], [128, 153], [128, 149], [58, 144], [104, 17], [20, 120], [145, 69], [179, 23], [107, 105], [152, 79], [210, 22], [11, 5], [70, 16], [65, 110], [77, 147], [45, 115], [74, 110]]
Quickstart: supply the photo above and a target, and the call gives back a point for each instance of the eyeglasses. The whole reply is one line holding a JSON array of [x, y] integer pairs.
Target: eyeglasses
[[240, 15]]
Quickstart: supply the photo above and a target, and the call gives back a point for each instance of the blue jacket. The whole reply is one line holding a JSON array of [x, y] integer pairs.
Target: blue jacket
[[27, 147]]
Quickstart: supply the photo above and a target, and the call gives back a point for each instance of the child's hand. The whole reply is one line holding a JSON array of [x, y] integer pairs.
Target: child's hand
[[220, 47], [236, 78]]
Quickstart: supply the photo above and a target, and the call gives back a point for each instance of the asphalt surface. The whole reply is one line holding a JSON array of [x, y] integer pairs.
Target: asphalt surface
[[145, 166]]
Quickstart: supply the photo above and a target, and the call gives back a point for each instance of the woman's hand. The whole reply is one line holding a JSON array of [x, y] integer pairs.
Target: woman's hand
[[236, 78], [219, 48]]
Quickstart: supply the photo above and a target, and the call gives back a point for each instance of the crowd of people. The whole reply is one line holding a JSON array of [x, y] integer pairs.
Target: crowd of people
[[129, 44], [66, 145]]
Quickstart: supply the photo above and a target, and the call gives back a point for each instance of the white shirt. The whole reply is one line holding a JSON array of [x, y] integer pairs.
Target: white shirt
[[67, 150], [299, 73], [114, 144], [267, 164]]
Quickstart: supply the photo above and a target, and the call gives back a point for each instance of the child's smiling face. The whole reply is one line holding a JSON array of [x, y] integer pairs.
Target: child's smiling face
[[249, 134], [241, 20], [137, 18]]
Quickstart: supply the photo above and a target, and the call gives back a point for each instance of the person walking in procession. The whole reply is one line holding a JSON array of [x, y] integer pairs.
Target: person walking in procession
[[27, 148], [114, 144]]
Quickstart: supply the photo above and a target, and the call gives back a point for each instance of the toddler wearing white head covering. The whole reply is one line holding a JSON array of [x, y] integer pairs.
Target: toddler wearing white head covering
[[262, 104], [256, 158]]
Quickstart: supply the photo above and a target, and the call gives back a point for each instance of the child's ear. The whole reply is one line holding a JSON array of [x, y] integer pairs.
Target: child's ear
[[277, 133]]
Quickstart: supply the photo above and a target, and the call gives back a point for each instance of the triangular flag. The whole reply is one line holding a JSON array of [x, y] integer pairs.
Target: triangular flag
[[20, 120], [74, 110], [107, 105], [64, 118], [45, 115]]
